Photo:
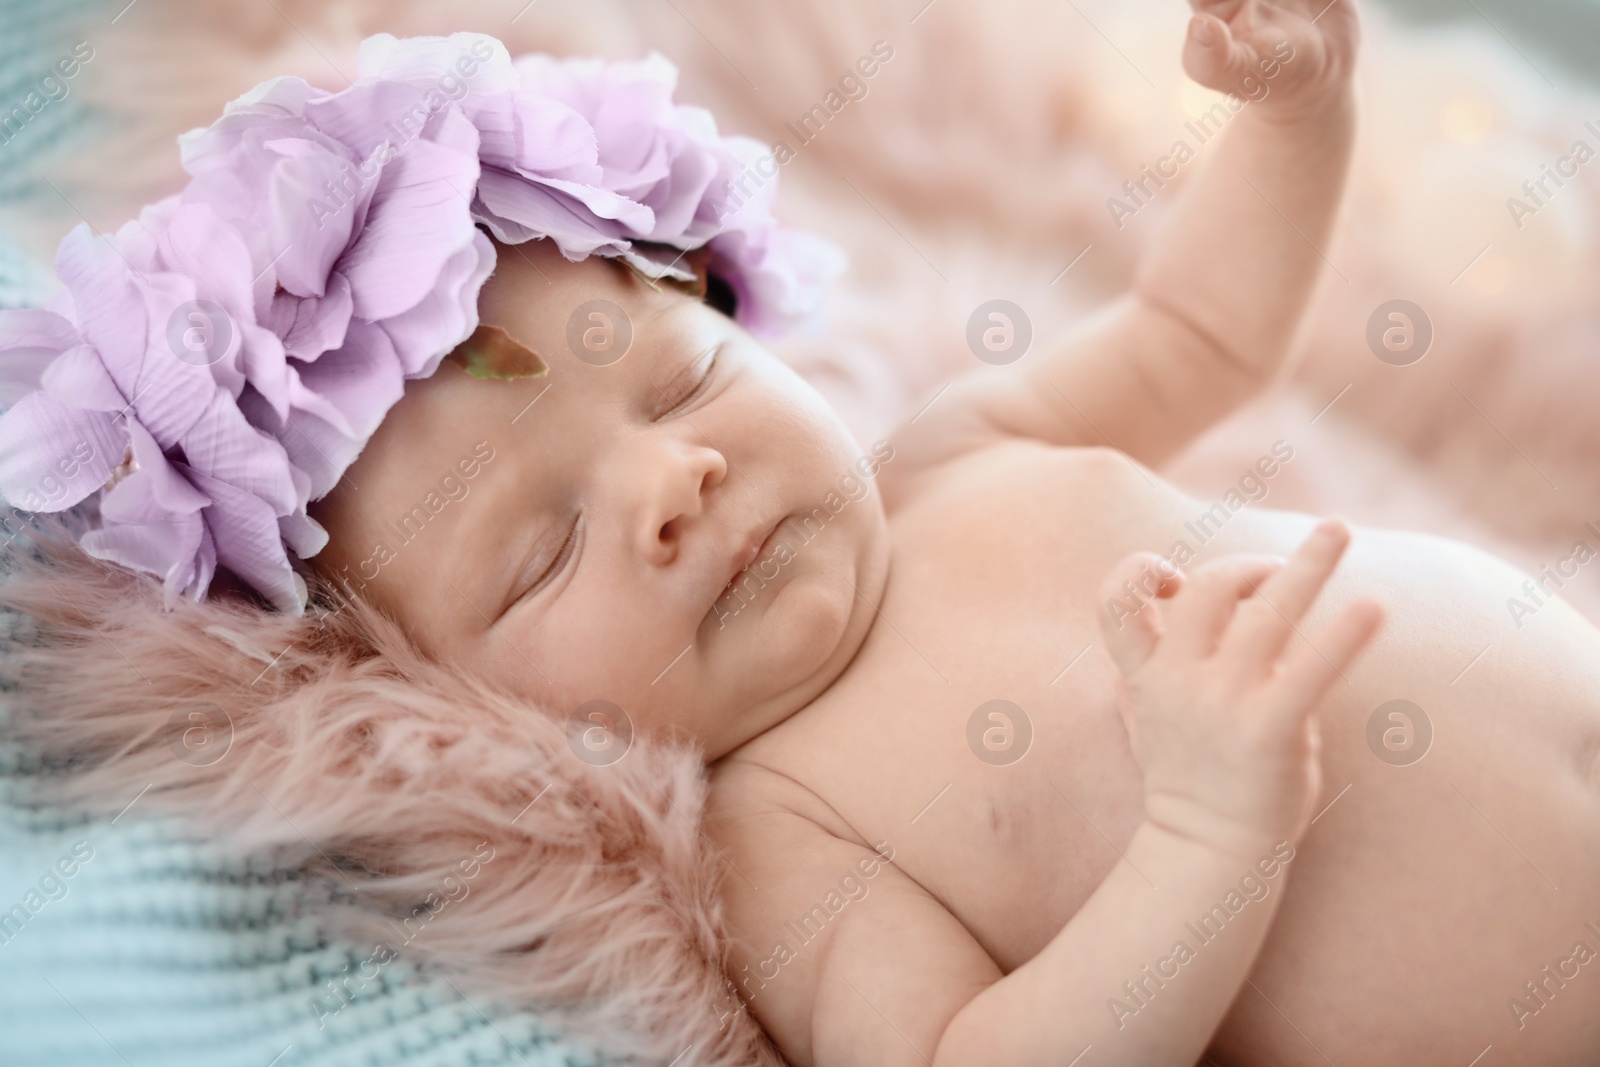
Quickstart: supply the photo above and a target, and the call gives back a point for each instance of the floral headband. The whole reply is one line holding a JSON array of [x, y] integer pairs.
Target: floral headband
[[220, 361]]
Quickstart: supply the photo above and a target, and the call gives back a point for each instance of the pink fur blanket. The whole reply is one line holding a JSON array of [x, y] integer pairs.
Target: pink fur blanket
[[977, 165], [331, 749]]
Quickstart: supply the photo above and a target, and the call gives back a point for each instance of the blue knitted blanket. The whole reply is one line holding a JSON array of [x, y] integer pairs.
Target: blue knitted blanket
[[124, 942]]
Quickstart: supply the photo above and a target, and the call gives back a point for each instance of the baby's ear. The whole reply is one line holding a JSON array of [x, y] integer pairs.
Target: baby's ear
[[491, 352]]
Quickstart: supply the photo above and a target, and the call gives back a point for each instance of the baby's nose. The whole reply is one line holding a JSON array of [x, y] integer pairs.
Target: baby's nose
[[676, 493]]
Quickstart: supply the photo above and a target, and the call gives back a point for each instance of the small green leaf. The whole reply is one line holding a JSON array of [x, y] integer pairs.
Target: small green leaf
[[491, 352]]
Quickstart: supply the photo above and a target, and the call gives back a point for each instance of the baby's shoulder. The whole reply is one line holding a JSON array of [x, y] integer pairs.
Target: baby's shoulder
[[812, 916], [782, 855], [742, 791], [923, 470]]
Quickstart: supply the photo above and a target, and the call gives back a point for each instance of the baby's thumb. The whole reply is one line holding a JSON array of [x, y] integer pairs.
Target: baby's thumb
[[1210, 53], [1129, 617]]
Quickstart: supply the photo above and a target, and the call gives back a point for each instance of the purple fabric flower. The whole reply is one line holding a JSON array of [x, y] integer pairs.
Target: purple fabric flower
[[220, 361]]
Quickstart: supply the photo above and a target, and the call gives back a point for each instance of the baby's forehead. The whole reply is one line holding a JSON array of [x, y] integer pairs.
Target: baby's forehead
[[544, 299], [483, 390], [591, 332]]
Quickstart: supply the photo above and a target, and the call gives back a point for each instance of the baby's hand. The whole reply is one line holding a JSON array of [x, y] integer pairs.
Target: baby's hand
[[1289, 56], [1219, 713]]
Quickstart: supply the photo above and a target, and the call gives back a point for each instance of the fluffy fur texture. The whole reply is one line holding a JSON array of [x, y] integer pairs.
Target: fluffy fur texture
[[376, 773]]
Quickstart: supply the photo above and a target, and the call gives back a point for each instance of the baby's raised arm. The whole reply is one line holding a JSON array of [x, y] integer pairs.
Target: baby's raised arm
[[1222, 289], [1217, 698]]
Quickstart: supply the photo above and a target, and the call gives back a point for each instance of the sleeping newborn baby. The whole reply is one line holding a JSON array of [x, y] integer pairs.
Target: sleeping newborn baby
[[1018, 754]]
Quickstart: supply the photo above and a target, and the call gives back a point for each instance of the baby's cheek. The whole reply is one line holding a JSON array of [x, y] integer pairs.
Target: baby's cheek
[[627, 668], [605, 641]]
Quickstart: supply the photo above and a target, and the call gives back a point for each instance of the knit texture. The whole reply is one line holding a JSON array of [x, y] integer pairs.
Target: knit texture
[[157, 951]]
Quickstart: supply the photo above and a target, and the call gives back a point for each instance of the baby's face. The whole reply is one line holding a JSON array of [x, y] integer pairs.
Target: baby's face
[[571, 537]]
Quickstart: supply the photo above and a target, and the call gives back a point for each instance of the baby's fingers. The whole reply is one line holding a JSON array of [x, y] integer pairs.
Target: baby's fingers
[[1312, 667], [1258, 633], [1129, 619], [1197, 618], [1211, 56]]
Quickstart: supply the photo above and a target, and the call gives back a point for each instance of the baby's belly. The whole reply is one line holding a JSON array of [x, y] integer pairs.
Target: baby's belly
[[1456, 855]]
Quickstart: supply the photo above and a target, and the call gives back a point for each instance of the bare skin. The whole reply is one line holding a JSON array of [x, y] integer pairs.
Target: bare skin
[[1197, 739]]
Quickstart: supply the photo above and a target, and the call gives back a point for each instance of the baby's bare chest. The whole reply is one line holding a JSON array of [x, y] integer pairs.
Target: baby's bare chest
[[976, 731], [976, 735]]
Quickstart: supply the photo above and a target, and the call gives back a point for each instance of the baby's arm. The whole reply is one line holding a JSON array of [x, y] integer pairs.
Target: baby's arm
[[1221, 291], [1217, 702]]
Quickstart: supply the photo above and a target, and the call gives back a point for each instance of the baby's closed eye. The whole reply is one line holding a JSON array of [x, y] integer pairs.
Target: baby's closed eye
[[523, 588], [690, 381]]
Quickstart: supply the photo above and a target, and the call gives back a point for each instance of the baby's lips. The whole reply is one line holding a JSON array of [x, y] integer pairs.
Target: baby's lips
[[749, 549]]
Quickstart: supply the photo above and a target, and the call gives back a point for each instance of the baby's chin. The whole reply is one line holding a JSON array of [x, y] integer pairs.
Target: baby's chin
[[781, 651]]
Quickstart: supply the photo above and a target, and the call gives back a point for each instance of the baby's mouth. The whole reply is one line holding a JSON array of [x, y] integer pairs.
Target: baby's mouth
[[749, 558]]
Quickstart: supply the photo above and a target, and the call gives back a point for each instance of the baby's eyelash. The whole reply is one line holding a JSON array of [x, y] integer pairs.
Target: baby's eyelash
[[563, 554], [699, 385]]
